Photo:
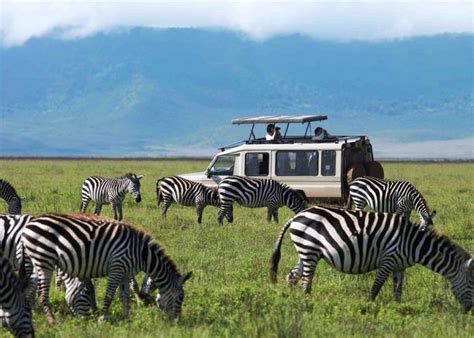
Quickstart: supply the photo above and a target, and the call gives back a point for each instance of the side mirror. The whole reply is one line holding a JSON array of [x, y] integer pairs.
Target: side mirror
[[208, 173]]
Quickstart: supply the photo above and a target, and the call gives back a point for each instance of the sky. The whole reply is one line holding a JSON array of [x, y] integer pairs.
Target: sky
[[328, 20]]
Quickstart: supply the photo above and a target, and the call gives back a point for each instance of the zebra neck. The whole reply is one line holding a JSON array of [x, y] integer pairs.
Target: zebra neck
[[438, 253], [124, 181], [159, 266]]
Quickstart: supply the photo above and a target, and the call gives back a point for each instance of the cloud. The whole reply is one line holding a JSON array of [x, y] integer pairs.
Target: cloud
[[333, 20]]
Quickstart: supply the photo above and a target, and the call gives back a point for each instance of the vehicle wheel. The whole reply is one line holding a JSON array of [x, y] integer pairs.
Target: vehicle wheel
[[356, 170], [374, 169]]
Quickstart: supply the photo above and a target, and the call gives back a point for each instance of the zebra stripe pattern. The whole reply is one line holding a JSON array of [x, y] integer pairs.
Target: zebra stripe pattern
[[256, 193], [383, 241], [185, 192], [8, 193], [389, 196], [15, 310], [79, 294], [87, 246], [110, 191]]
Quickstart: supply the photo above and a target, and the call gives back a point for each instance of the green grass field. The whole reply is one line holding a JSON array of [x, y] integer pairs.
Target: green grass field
[[230, 293]]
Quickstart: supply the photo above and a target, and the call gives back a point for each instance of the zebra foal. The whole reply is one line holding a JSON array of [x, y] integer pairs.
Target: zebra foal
[[185, 192], [387, 242], [15, 310], [399, 197], [88, 246], [110, 191], [256, 193], [8, 193]]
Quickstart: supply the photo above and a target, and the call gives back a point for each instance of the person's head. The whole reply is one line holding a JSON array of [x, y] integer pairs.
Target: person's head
[[271, 129], [318, 131]]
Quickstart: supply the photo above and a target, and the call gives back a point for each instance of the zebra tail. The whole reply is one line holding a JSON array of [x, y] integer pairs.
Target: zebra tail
[[159, 196], [276, 254], [22, 273], [349, 201]]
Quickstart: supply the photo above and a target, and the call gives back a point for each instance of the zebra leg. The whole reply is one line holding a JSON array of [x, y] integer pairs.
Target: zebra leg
[[44, 283], [59, 280], [385, 269], [125, 296], [398, 284], [230, 214], [98, 208], [309, 267], [275, 216], [84, 204], [295, 274], [164, 208], [199, 210], [118, 215], [114, 280], [223, 210]]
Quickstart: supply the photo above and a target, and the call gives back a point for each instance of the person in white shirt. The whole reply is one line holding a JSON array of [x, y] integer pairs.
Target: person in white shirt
[[320, 134], [273, 133]]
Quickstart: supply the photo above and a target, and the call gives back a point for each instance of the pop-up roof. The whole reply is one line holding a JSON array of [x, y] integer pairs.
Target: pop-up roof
[[280, 119]]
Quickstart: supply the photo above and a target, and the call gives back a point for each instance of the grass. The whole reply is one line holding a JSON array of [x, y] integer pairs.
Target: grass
[[230, 293]]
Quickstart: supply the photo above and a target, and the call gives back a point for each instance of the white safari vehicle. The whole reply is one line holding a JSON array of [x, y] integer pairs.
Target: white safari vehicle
[[319, 169]]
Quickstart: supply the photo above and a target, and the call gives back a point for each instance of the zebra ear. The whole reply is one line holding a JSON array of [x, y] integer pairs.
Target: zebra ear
[[185, 277], [470, 264], [140, 177]]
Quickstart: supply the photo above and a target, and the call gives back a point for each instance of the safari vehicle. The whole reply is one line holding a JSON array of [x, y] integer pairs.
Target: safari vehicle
[[319, 169]]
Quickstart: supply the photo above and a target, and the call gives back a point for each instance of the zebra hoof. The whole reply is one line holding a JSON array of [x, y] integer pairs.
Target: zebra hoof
[[292, 278]]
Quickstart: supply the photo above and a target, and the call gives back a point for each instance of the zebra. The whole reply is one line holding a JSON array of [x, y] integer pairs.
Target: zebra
[[88, 246], [110, 190], [182, 191], [15, 310], [80, 295], [256, 193], [384, 241], [389, 196], [8, 193]]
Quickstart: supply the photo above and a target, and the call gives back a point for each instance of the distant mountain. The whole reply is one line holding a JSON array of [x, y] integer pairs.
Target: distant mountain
[[164, 92]]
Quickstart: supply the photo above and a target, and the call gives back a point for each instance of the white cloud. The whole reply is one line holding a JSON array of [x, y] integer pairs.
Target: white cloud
[[338, 20]]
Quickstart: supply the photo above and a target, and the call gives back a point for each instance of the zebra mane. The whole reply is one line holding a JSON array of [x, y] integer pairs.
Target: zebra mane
[[436, 235], [154, 245], [7, 184]]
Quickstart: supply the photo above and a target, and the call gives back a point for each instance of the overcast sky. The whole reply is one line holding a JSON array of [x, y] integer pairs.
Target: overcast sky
[[331, 20]]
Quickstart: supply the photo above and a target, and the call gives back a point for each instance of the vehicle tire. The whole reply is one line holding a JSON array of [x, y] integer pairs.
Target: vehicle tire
[[356, 170], [374, 169]]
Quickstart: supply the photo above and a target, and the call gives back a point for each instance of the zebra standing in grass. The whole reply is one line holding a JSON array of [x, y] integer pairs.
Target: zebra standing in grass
[[87, 246], [256, 193], [110, 191], [182, 191], [389, 196], [387, 242], [15, 310], [8, 193], [80, 295]]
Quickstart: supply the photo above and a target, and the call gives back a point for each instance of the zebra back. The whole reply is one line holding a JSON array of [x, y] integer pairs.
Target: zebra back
[[390, 196], [107, 190], [8, 193], [15, 311], [184, 191]]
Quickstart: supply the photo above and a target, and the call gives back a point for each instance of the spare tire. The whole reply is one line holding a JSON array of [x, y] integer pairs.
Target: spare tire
[[356, 170], [374, 169]]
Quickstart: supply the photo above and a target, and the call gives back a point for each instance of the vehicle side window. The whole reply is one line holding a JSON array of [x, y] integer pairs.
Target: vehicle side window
[[297, 163], [256, 164], [328, 163]]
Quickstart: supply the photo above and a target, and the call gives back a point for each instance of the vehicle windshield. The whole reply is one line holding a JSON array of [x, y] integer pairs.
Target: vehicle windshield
[[224, 165]]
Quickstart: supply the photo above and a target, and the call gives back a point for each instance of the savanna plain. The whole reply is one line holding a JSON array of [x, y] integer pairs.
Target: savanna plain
[[230, 293]]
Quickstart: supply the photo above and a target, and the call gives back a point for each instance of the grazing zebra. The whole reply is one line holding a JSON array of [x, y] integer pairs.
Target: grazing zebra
[[15, 310], [182, 191], [389, 196], [87, 246], [256, 193], [384, 241], [8, 193], [79, 294], [110, 190]]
